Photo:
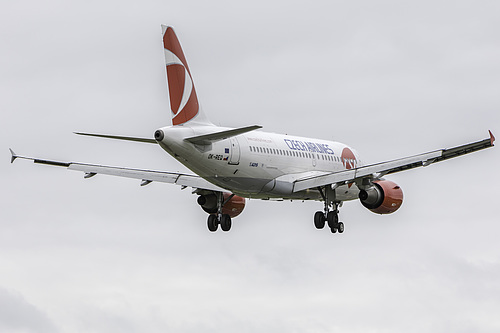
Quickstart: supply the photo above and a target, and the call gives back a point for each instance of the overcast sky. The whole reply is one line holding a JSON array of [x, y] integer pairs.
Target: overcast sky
[[389, 78]]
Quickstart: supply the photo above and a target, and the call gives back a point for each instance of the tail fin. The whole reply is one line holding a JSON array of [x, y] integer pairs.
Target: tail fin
[[183, 99]]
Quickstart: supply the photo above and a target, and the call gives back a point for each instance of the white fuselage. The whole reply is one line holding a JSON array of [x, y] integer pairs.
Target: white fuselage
[[259, 164]]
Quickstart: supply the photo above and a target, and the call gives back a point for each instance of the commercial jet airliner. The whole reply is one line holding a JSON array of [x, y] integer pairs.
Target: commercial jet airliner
[[231, 164]]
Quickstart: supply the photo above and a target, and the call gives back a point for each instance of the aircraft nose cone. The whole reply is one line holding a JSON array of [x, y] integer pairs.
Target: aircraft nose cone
[[159, 135]]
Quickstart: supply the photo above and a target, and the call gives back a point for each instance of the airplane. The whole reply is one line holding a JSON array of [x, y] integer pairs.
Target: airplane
[[231, 164]]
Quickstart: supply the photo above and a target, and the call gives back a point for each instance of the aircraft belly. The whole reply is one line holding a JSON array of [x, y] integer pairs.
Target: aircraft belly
[[240, 185], [346, 193]]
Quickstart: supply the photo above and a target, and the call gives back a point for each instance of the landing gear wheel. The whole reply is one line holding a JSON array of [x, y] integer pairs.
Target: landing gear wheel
[[333, 219], [212, 223], [340, 227], [225, 222], [319, 220]]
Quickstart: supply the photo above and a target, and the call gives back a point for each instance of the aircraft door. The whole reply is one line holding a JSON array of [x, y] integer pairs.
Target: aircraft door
[[234, 156]]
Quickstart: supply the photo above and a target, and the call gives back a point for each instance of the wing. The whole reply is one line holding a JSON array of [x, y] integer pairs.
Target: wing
[[147, 176], [380, 169]]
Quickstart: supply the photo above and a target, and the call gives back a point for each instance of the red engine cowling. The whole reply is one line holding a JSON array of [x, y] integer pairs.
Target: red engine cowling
[[384, 197], [233, 207]]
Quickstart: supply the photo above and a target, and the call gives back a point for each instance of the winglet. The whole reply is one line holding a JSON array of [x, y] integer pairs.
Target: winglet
[[492, 138], [13, 157]]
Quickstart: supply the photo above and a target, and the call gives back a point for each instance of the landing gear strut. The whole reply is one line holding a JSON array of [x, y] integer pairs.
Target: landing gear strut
[[330, 215], [218, 218]]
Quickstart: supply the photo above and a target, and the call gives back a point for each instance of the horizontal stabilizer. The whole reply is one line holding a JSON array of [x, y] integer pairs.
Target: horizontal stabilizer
[[127, 138], [217, 136]]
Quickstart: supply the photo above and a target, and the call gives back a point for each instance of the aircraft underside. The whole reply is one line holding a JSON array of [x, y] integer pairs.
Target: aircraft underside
[[223, 206]]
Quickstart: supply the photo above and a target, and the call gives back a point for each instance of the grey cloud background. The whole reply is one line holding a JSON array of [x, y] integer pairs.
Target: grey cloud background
[[388, 78], [19, 315]]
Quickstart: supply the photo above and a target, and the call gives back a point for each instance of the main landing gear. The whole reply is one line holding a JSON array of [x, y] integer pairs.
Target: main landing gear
[[332, 218], [330, 214], [216, 219]]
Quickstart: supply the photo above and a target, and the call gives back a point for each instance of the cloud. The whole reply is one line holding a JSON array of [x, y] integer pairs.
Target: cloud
[[18, 315], [388, 78]]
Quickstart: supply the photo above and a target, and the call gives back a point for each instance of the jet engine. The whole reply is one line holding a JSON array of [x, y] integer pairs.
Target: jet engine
[[383, 197], [233, 207]]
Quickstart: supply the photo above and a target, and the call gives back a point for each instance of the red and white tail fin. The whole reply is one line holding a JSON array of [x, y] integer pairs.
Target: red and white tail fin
[[183, 99]]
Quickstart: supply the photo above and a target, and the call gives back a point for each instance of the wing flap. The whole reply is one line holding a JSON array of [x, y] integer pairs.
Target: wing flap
[[91, 170], [468, 148], [380, 169]]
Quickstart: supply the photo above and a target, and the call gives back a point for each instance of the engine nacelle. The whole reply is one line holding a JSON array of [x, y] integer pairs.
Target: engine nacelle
[[233, 207], [384, 197]]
